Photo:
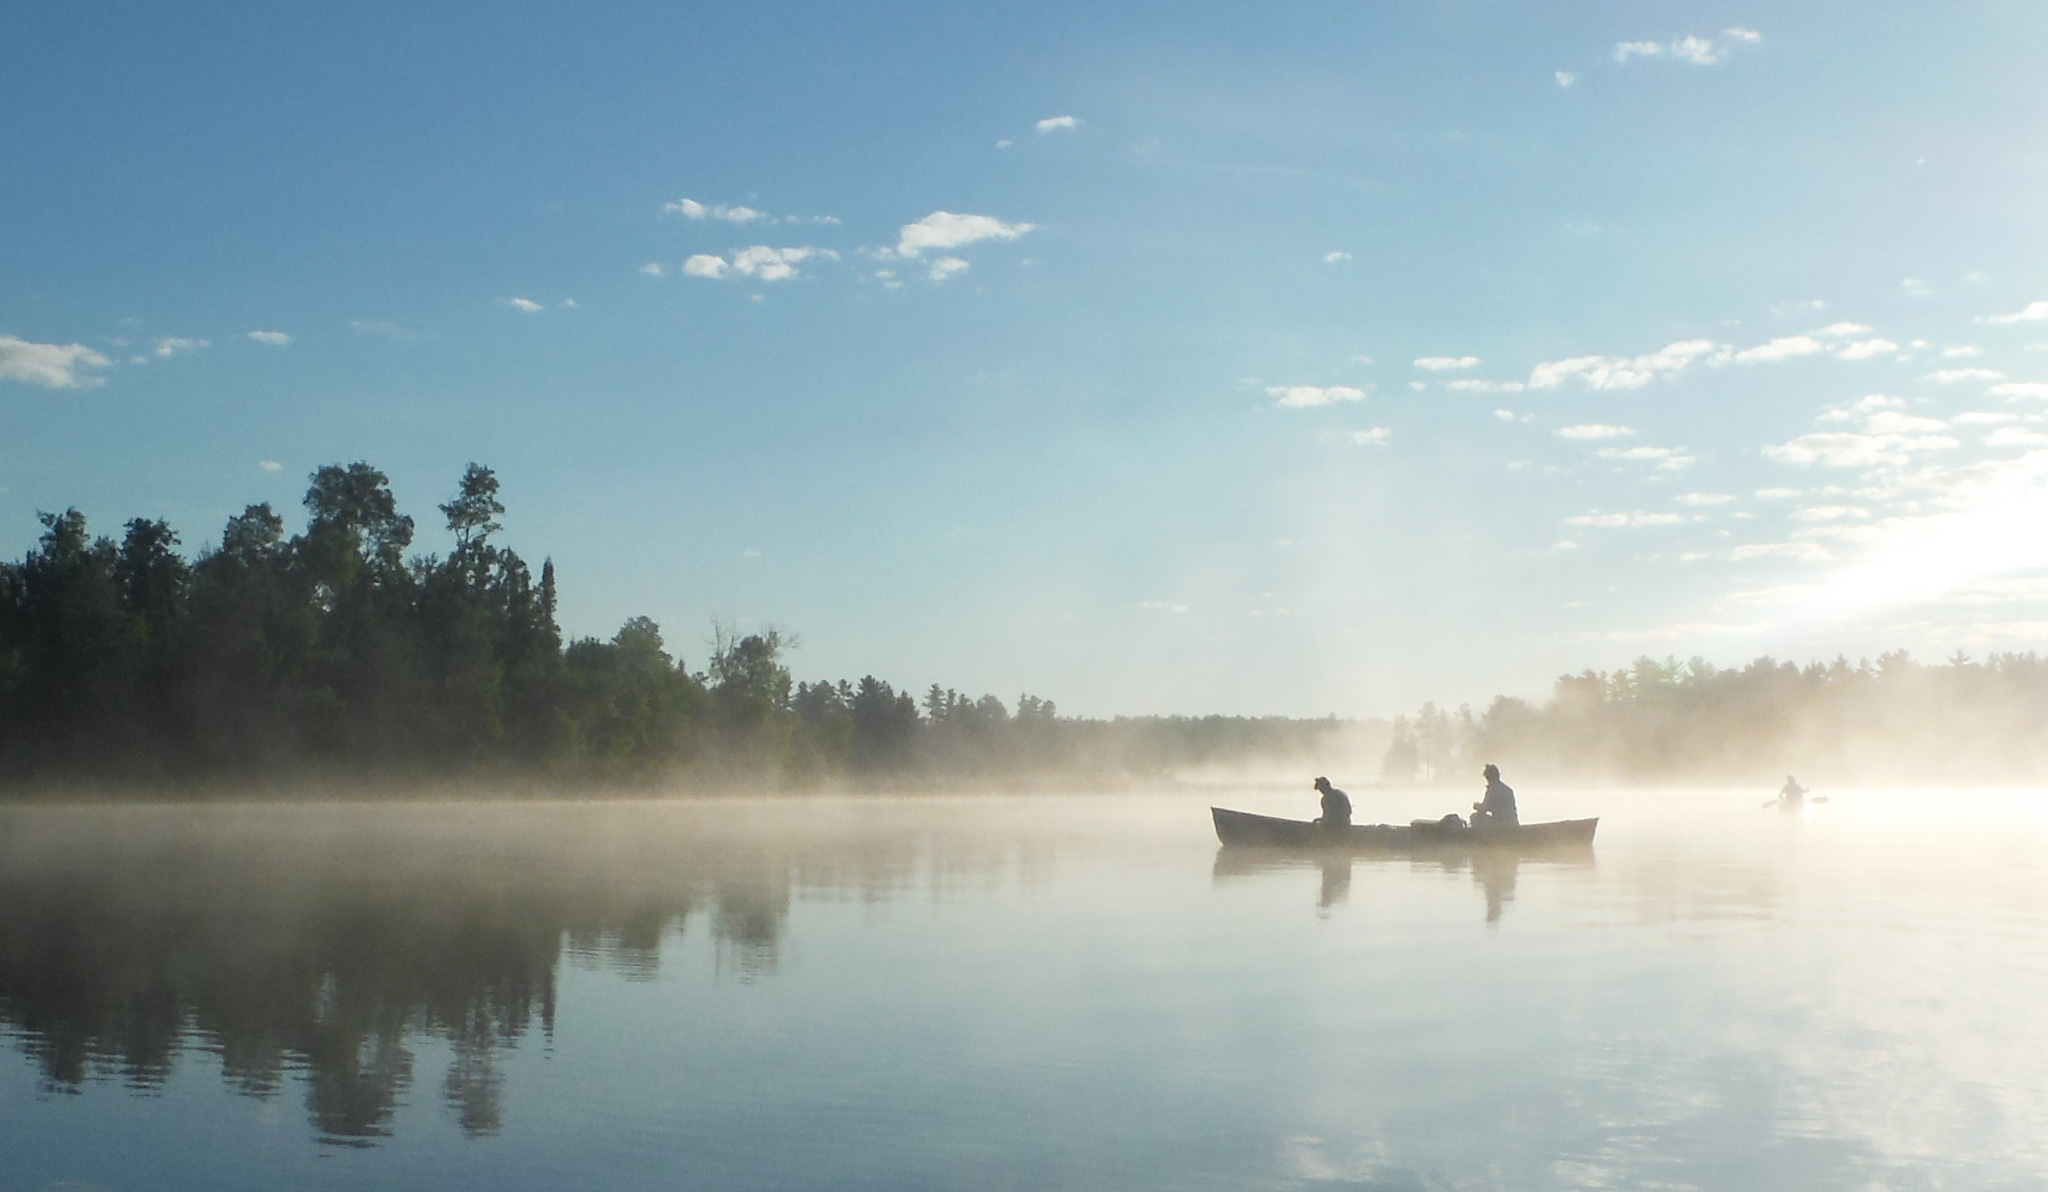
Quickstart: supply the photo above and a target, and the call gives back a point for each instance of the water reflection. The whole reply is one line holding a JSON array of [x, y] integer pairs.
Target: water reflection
[[330, 955], [1493, 873]]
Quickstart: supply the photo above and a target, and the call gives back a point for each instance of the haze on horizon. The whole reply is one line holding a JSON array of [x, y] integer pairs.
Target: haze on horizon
[[1182, 358]]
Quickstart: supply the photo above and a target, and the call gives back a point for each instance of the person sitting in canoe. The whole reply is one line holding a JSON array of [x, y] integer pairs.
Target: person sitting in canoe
[[1497, 809], [1336, 806], [1793, 794]]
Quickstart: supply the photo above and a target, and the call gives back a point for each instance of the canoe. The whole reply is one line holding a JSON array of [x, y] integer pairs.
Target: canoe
[[1242, 828]]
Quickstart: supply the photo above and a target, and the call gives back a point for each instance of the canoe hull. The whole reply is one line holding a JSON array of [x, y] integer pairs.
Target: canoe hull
[[1243, 829]]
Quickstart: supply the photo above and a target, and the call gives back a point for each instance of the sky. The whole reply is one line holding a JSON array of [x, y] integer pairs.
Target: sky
[[1296, 358]]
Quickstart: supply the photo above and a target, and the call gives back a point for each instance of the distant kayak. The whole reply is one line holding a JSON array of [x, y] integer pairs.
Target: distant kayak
[[1241, 828]]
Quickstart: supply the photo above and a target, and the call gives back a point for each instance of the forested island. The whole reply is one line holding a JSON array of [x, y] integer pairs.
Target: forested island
[[334, 654]]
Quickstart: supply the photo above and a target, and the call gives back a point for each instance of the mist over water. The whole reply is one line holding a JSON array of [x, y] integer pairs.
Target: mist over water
[[1046, 991]]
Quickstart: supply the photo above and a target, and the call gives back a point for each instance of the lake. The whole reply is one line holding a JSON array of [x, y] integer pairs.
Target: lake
[[997, 992]]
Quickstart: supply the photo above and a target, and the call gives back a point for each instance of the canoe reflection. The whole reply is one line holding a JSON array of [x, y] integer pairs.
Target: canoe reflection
[[1493, 872]]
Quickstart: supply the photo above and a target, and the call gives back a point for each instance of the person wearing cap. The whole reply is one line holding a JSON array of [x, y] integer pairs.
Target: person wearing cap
[[1497, 809], [1336, 806]]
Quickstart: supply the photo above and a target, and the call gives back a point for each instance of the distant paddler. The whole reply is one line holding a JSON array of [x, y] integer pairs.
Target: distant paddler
[[1336, 807], [1792, 796]]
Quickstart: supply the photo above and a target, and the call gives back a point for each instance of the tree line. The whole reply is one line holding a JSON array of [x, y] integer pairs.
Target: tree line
[[336, 652], [1892, 721]]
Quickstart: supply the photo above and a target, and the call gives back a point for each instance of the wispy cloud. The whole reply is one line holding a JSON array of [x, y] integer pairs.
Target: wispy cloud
[[947, 229], [1783, 348], [271, 465], [1473, 385], [1667, 459], [1057, 124], [2032, 312], [693, 209], [275, 339], [1704, 500], [525, 304], [1595, 430], [172, 345], [1610, 521], [654, 269], [1566, 78], [1376, 436], [1336, 258], [759, 262], [1865, 349], [2014, 390], [1620, 372], [1950, 376], [1446, 363], [1297, 397], [1700, 51], [946, 267], [53, 366]]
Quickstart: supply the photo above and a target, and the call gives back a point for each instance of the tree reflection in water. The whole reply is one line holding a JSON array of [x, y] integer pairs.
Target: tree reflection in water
[[327, 956]]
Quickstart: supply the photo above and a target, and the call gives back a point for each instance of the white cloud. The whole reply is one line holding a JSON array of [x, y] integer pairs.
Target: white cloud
[[1783, 348], [1446, 363], [1949, 376], [526, 304], [1504, 415], [1336, 258], [2011, 390], [1864, 349], [1804, 551], [696, 210], [1704, 499], [1828, 513], [654, 269], [1005, 143], [1375, 437], [760, 262], [1566, 78], [1983, 418], [2032, 312], [946, 229], [946, 267], [1595, 430], [1618, 520], [1842, 330], [1861, 408], [53, 366], [271, 465], [1892, 423], [1847, 449], [1697, 50], [1056, 123], [1472, 386], [1298, 397], [1700, 51], [1914, 286], [1620, 372], [2015, 436], [1668, 459], [275, 339], [1961, 350], [171, 345], [1780, 494]]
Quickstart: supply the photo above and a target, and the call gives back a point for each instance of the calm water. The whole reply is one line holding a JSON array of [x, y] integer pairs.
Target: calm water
[[1021, 993]]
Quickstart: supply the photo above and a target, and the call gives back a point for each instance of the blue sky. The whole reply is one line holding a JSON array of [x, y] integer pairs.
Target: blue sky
[[1303, 358]]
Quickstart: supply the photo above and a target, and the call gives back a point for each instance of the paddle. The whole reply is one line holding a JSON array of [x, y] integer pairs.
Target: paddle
[[1814, 799]]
